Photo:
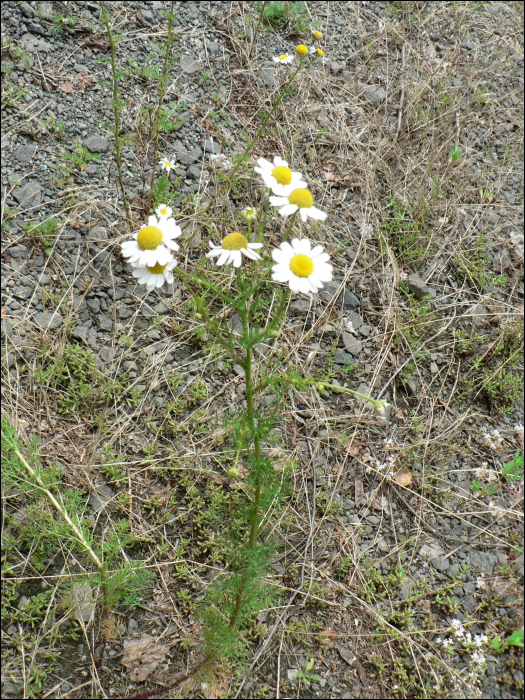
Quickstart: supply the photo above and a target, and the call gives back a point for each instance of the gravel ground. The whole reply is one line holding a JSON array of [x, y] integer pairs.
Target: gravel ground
[[372, 128]]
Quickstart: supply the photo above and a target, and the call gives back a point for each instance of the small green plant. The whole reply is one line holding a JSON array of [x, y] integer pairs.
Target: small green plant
[[80, 156], [515, 640], [455, 153], [12, 95], [407, 232], [513, 470], [306, 676], [473, 267], [43, 233], [276, 15]]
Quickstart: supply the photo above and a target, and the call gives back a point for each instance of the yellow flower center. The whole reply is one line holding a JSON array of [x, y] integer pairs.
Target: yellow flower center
[[149, 238], [301, 265], [163, 212], [302, 50], [167, 164], [282, 175], [317, 34], [319, 52], [301, 198], [157, 269], [234, 241], [283, 57]]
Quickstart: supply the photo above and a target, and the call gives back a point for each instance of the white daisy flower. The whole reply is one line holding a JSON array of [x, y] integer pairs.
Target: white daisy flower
[[304, 268], [278, 176], [163, 211], [284, 58], [153, 243], [167, 164], [298, 200], [231, 248], [154, 275], [249, 214]]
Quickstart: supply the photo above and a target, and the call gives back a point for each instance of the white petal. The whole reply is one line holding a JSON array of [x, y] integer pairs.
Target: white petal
[[236, 258], [316, 251], [138, 272], [276, 59], [255, 246], [225, 257], [304, 285], [279, 201], [303, 214], [251, 254], [169, 276], [171, 245], [160, 281], [265, 164], [294, 284], [279, 162], [324, 274], [313, 286], [213, 253], [305, 247], [322, 258], [315, 213], [152, 221], [288, 209]]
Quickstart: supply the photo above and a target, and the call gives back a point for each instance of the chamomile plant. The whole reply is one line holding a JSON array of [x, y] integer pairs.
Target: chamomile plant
[[247, 271]]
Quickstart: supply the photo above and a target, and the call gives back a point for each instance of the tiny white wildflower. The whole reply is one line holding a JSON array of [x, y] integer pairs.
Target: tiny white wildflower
[[303, 268], [382, 408], [283, 58], [480, 640], [167, 164], [231, 249], [477, 658], [446, 643], [480, 582], [163, 211], [249, 214]]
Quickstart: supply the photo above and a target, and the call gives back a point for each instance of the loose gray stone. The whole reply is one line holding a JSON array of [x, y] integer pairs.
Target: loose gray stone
[[30, 195], [18, 251], [161, 308], [482, 561], [97, 144], [100, 498], [434, 368], [93, 305], [406, 590], [337, 67], [352, 344], [189, 65], [268, 77], [211, 146], [80, 333], [24, 154], [47, 319], [97, 233], [33, 43], [84, 603], [124, 313], [27, 10], [356, 320], [193, 172], [419, 289], [342, 358], [374, 94], [105, 324], [298, 307], [350, 301]]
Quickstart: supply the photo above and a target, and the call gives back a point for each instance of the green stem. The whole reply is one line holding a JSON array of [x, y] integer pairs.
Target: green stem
[[161, 97], [261, 15], [116, 109], [289, 229], [263, 226], [257, 452]]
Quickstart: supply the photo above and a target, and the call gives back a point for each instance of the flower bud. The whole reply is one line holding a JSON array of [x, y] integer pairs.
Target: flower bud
[[234, 473]]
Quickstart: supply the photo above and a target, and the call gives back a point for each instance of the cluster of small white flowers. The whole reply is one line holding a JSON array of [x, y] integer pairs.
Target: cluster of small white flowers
[[480, 582], [384, 467], [494, 439], [477, 657], [485, 473]]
